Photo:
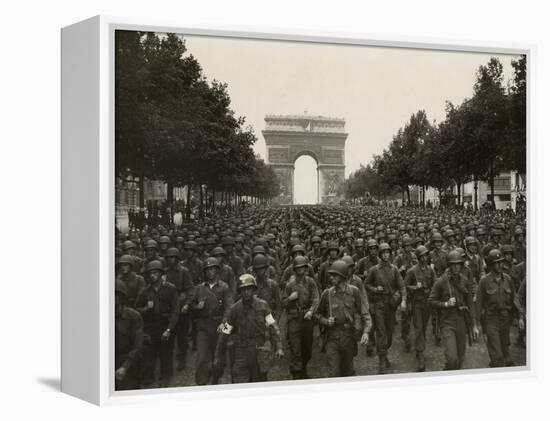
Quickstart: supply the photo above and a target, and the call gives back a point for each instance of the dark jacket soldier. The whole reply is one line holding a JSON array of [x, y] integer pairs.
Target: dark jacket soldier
[[498, 304], [344, 313], [128, 341], [300, 300], [452, 295], [159, 307], [211, 301], [254, 333], [266, 289], [134, 282]]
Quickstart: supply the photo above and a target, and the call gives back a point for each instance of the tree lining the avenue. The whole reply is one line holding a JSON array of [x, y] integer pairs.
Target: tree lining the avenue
[[173, 125], [479, 138]]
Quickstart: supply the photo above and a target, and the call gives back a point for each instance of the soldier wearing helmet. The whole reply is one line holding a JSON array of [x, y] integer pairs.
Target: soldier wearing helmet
[[252, 353], [353, 279], [509, 265], [226, 272], [453, 297], [128, 340], [164, 244], [438, 255], [419, 280], [404, 261], [348, 248], [297, 250], [498, 305], [300, 299], [315, 251], [211, 301], [192, 262], [344, 315], [518, 244], [359, 250], [267, 289], [242, 252], [134, 282], [387, 290], [180, 276], [151, 253], [130, 248], [473, 260], [232, 259], [261, 251], [450, 238], [158, 305], [332, 255]]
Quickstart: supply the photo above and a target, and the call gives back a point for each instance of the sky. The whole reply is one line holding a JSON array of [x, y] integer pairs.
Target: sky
[[375, 89]]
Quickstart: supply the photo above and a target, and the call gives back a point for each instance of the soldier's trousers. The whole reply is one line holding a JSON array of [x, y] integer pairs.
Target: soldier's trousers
[[406, 323], [300, 341], [497, 327], [245, 365], [182, 329], [420, 314], [340, 349], [207, 338], [384, 323], [453, 336], [162, 350]]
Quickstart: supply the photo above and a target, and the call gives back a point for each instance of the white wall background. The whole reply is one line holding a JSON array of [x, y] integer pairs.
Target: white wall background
[[29, 170]]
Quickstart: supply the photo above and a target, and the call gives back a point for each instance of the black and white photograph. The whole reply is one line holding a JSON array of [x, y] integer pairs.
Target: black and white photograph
[[292, 210]]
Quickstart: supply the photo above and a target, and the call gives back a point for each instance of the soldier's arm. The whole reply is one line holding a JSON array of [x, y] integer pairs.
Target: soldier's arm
[[314, 295], [277, 299], [363, 309], [228, 302], [141, 301], [480, 299], [174, 310], [400, 285], [369, 280], [435, 296], [285, 301], [273, 328], [228, 326], [410, 280], [320, 313], [135, 353]]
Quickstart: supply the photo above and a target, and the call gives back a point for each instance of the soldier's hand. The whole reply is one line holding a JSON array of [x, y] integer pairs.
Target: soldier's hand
[[452, 302], [185, 308], [150, 304], [380, 288], [521, 324], [419, 285], [364, 339], [403, 305], [200, 305], [402, 268], [293, 296], [120, 374], [308, 315], [330, 321], [475, 333], [166, 335], [220, 328], [279, 354]]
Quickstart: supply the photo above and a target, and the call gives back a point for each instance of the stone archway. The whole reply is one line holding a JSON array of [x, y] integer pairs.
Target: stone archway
[[323, 138]]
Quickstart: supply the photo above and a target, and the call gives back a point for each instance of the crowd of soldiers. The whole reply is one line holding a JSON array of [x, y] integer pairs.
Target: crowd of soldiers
[[249, 288]]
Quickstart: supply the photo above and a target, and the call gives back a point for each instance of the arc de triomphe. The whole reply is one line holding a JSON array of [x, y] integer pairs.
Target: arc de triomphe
[[288, 137]]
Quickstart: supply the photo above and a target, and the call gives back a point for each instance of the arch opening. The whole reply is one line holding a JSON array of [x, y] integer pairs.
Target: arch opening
[[306, 181]]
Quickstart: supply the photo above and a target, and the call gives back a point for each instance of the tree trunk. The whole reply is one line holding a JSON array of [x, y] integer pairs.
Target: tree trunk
[[423, 196], [169, 193], [188, 203], [458, 186], [141, 184], [475, 195], [492, 184], [408, 196], [201, 202]]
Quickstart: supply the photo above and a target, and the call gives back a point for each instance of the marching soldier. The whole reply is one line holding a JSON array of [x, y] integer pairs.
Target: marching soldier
[[211, 301], [451, 296], [255, 335], [387, 290], [344, 314], [404, 261], [332, 251], [134, 282], [192, 262], [128, 340], [266, 289], [419, 281], [301, 297], [498, 303], [158, 305]]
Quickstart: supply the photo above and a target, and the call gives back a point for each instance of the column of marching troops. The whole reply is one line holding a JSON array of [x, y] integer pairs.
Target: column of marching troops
[[236, 288]]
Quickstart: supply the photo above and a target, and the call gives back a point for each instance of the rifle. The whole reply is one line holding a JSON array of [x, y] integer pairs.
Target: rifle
[[468, 322]]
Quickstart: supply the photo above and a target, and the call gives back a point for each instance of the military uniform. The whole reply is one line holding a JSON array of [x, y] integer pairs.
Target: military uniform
[[498, 303], [217, 299], [351, 314], [300, 330], [253, 331], [128, 347], [135, 283]]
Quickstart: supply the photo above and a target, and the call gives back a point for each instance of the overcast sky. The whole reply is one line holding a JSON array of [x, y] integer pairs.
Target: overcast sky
[[374, 89]]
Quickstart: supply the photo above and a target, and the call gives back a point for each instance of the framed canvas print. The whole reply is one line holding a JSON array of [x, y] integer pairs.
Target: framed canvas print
[[244, 210]]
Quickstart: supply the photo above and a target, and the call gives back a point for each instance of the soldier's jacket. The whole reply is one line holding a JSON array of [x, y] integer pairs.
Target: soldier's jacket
[[405, 260], [236, 264], [347, 306], [217, 299], [426, 276], [245, 257], [496, 294], [520, 251], [269, 291], [228, 276], [194, 266], [180, 277], [386, 275], [313, 255], [128, 338], [512, 271], [322, 278], [357, 282], [251, 325], [438, 258], [308, 296], [347, 250], [364, 265], [135, 283], [270, 273], [451, 286], [165, 311], [475, 263], [358, 255]]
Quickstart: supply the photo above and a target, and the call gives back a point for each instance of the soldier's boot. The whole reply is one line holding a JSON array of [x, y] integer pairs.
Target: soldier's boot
[[421, 361], [382, 364]]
